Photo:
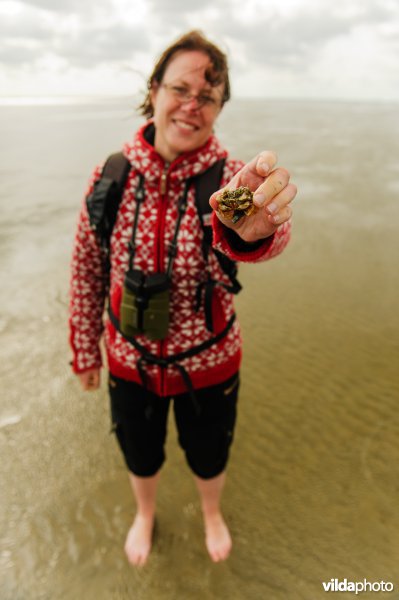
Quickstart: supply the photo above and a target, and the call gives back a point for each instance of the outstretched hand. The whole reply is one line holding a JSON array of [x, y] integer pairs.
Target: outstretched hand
[[272, 196]]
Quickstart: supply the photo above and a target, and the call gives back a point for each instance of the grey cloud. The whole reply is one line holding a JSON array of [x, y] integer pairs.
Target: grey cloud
[[67, 6], [176, 13], [116, 43], [16, 56], [293, 41], [280, 42], [24, 39], [173, 7], [93, 46], [25, 27], [283, 42], [380, 12]]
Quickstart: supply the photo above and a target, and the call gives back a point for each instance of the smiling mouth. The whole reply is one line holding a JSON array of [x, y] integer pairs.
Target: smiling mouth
[[185, 125]]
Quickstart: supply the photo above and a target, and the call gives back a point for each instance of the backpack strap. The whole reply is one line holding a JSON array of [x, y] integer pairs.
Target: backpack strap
[[103, 202], [205, 185]]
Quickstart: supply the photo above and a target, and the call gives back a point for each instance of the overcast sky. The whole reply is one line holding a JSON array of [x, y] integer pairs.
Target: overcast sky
[[345, 49]]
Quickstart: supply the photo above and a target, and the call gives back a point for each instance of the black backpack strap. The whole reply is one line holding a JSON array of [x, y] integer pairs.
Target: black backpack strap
[[205, 185], [103, 202]]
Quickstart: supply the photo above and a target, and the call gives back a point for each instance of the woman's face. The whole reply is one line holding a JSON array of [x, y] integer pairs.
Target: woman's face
[[185, 105]]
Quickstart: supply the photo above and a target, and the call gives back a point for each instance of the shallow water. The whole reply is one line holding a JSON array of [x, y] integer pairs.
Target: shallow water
[[312, 492]]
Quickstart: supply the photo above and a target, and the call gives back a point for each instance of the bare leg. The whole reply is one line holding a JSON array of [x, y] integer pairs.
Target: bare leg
[[139, 537], [217, 536]]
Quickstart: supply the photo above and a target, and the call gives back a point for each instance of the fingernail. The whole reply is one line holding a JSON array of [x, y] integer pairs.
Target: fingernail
[[272, 207], [265, 167], [259, 199], [276, 219]]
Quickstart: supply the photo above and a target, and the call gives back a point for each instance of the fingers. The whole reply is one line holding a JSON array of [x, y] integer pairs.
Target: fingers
[[275, 194], [279, 209], [90, 380], [265, 162], [282, 216], [273, 185], [254, 172]]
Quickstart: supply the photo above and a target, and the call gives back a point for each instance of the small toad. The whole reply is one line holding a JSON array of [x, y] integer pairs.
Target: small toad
[[234, 204]]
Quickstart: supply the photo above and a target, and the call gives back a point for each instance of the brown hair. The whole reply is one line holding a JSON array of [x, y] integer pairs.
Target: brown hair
[[216, 73]]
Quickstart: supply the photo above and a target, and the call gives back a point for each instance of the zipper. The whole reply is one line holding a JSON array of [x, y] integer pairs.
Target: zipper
[[161, 219], [160, 255]]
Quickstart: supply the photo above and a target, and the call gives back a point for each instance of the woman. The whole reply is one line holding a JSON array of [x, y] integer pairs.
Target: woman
[[195, 364]]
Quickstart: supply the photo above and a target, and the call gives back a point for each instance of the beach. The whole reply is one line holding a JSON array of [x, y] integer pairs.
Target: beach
[[312, 489]]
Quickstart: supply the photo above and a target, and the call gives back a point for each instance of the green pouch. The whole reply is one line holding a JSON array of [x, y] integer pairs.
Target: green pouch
[[145, 305]]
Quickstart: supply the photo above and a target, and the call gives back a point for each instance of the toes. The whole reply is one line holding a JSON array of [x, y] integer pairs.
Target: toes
[[218, 540], [218, 554], [214, 554], [138, 556], [137, 559], [217, 557]]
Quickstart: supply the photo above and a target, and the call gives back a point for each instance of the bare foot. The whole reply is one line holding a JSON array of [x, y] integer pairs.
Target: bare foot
[[138, 541], [218, 540]]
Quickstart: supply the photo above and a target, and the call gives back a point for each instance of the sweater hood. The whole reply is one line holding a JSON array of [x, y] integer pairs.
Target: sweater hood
[[145, 159]]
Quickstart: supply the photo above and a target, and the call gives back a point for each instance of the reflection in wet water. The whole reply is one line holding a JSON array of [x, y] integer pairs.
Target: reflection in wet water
[[313, 481]]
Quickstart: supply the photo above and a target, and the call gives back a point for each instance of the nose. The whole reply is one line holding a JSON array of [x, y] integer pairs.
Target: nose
[[192, 104]]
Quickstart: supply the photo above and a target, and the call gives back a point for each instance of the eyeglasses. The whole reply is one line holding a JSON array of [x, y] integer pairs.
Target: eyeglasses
[[183, 95]]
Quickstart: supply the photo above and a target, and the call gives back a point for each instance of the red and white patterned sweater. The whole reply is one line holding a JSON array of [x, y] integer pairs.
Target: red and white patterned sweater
[[163, 187]]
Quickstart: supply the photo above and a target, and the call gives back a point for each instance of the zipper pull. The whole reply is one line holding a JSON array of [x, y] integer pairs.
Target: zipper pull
[[164, 176]]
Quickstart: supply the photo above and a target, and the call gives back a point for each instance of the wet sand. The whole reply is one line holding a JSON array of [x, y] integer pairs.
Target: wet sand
[[312, 492]]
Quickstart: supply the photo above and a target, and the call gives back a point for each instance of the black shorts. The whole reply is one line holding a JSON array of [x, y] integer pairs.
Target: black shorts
[[205, 436]]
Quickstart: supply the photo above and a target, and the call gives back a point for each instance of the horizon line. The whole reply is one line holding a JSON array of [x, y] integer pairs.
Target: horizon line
[[48, 99]]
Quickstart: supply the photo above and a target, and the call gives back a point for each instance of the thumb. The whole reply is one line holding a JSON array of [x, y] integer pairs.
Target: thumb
[[213, 199]]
